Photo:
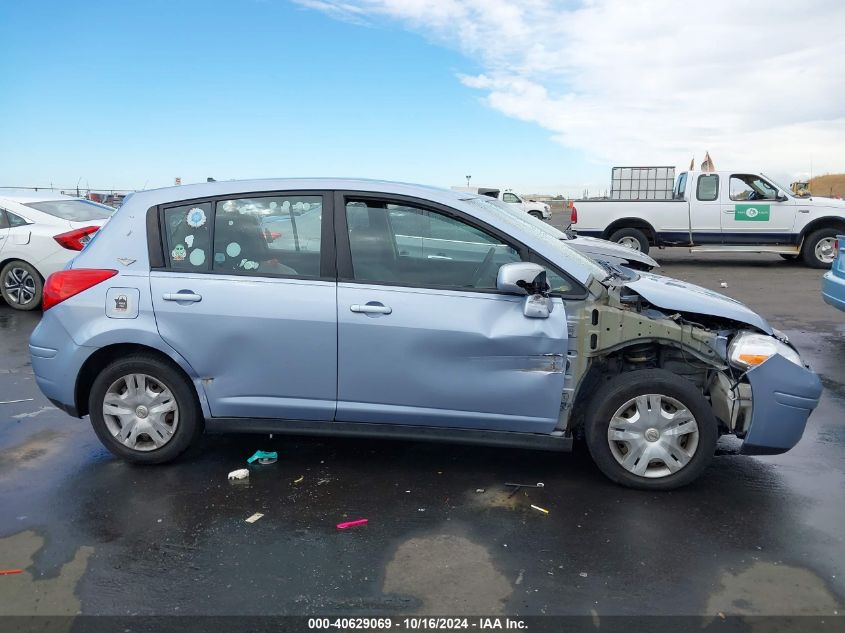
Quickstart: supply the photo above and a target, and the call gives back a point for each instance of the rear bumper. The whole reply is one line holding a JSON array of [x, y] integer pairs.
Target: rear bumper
[[56, 361], [783, 396], [833, 290]]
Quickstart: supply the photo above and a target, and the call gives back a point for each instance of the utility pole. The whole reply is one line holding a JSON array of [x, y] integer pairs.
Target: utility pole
[[468, 178]]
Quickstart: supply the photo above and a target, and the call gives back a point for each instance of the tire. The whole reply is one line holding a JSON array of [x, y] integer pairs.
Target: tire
[[789, 258], [174, 430], [693, 451], [536, 214], [814, 251], [21, 285], [633, 238]]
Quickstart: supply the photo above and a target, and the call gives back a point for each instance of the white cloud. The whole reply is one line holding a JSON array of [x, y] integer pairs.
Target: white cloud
[[758, 84]]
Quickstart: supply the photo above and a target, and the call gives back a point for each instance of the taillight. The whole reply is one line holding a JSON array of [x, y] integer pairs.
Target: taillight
[[573, 216], [77, 239], [67, 283]]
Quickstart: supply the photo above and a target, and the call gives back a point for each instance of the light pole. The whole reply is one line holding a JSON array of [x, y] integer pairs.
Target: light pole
[[468, 177]]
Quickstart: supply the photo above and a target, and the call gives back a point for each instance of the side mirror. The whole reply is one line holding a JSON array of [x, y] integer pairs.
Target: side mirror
[[781, 197], [519, 278], [524, 278]]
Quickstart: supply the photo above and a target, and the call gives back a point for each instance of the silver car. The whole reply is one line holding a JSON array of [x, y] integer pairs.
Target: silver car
[[392, 310]]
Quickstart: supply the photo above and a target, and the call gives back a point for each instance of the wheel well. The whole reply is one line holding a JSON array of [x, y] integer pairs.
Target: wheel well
[[631, 358], [823, 223], [632, 223], [101, 358], [18, 259]]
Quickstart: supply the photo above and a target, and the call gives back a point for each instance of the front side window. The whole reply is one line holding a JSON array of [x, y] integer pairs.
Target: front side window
[[408, 245], [751, 187], [509, 197], [708, 187]]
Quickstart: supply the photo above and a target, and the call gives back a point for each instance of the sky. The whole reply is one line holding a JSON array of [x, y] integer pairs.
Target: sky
[[542, 96]]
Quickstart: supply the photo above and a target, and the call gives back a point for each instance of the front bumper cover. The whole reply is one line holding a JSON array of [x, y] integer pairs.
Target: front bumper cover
[[783, 396]]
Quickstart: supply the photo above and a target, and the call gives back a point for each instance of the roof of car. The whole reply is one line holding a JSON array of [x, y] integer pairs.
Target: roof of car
[[221, 188]]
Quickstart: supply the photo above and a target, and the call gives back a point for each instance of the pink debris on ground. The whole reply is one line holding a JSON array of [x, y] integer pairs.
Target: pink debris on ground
[[349, 524]]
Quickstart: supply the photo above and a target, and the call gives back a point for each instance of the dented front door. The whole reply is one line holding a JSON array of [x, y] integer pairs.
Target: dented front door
[[448, 358]]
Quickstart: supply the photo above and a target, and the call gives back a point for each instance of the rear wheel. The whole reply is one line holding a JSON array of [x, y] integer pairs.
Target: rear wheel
[[650, 429], [144, 410], [21, 285], [789, 258], [632, 238], [818, 249]]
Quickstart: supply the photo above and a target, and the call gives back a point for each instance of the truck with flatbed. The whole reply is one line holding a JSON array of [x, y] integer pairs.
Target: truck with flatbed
[[722, 211]]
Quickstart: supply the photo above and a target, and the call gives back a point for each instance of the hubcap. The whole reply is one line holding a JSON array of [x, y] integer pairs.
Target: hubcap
[[630, 242], [825, 251], [140, 412], [19, 286], [653, 436]]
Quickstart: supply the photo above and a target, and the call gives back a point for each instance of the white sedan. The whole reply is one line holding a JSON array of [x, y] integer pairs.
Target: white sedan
[[39, 233]]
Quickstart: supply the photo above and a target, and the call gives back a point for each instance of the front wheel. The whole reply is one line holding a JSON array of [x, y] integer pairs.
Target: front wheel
[[818, 249], [144, 410], [21, 285], [650, 429], [632, 238], [536, 214]]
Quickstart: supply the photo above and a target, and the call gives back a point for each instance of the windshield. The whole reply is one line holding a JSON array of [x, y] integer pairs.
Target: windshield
[[785, 190], [555, 238], [73, 210]]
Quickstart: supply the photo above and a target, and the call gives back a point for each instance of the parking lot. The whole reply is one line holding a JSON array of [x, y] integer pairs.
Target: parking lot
[[445, 536]]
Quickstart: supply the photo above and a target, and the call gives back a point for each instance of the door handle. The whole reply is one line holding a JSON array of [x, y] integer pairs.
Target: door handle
[[188, 297], [729, 211], [371, 308], [439, 257]]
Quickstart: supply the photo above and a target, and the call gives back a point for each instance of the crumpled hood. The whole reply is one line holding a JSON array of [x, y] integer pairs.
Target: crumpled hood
[[598, 248], [673, 294]]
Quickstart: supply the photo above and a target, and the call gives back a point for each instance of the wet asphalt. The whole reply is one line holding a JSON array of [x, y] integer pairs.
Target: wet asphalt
[[95, 535]]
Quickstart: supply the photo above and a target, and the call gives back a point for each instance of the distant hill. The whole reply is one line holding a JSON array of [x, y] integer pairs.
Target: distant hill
[[828, 186]]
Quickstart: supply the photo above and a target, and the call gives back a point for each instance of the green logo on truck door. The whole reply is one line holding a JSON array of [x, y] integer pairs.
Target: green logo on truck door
[[752, 213]]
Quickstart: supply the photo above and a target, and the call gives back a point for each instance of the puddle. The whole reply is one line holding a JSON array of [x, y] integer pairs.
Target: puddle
[[447, 574], [770, 589], [24, 594]]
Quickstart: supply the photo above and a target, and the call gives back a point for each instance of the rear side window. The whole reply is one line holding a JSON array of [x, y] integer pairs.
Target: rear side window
[[262, 236], [16, 220], [708, 187], [73, 210], [681, 186], [4, 221], [188, 236], [272, 235]]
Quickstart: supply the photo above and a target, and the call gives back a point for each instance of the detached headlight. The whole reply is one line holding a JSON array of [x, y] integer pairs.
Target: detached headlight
[[750, 349]]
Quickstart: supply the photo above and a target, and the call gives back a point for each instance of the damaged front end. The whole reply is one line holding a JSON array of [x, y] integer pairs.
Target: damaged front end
[[763, 395]]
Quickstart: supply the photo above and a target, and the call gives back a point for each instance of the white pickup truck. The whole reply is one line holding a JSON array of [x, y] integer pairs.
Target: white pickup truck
[[724, 211], [539, 210]]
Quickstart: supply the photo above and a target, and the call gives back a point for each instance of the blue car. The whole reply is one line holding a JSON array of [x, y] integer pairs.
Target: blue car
[[402, 311], [833, 282]]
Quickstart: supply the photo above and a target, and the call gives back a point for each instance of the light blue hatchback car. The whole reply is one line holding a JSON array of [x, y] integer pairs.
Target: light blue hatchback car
[[354, 307], [833, 281]]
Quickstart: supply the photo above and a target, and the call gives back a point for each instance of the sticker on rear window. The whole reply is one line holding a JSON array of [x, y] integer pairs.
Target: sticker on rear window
[[195, 218], [178, 253], [197, 257]]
